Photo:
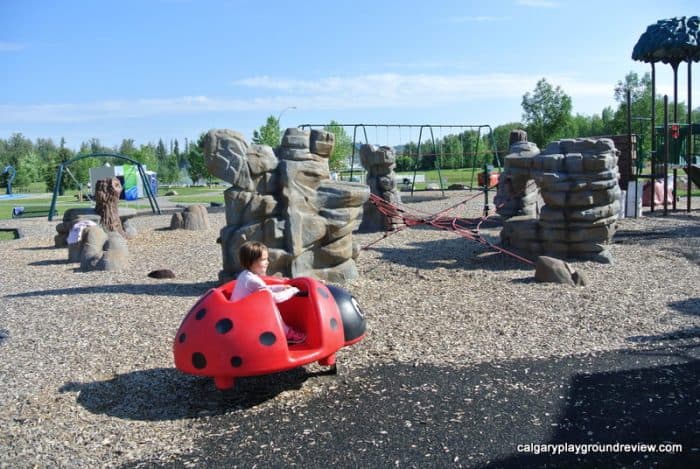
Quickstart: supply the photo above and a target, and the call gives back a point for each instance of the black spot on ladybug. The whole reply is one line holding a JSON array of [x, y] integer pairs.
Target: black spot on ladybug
[[224, 325], [199, 360], [236, 362], [182, 337], [200, 314], [267, 338], [323, 292], [334, 324], [199, 302]]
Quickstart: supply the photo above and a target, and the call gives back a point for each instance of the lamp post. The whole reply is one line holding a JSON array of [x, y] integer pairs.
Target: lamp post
[[279, 116]]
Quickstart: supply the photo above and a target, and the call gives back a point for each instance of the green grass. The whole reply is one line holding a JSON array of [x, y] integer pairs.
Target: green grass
[[39, 201], [6, 236], [204, 195], [215, 193], [198, 199], [196, 190], [449, 176]]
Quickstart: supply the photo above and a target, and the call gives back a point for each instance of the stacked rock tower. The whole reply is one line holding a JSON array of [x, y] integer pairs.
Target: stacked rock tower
[[578, 185], [285, 199], [380, 163]]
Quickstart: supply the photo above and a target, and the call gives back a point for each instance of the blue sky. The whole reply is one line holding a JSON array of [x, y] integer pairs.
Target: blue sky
[[150, 69]]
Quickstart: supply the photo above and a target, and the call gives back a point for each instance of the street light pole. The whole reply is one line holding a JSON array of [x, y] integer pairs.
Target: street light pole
[[279, 116]]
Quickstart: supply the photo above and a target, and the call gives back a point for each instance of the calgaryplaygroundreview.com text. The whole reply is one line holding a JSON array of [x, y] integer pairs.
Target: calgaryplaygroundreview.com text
[[586, 448]]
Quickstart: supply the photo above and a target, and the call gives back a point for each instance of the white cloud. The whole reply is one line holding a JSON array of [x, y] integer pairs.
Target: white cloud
[[367, 92], [11, 46]]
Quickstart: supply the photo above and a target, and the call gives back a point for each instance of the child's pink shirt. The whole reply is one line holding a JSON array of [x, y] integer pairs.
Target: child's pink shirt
[[247, 283]]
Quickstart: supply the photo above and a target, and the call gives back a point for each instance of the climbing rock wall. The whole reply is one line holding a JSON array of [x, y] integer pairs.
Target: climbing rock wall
[[380, 163], [517, 192], [578, 183], [285, 199]]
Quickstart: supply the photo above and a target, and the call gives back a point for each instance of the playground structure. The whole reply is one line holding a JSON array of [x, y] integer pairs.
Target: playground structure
[[227, 340], [468, 138], [128, 175], [576, 178], [670, 41], [286, 199], [145, 180]]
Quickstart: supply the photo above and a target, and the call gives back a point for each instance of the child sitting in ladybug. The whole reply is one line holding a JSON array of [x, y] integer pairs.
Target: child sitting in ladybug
[[254, 258]]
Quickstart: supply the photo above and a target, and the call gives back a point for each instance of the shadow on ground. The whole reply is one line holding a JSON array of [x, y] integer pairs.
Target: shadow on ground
[[418, 415], [690, 306], [168, 394], [155, 289], [40, 248], [450, 253], [51, 262], [654, 234]]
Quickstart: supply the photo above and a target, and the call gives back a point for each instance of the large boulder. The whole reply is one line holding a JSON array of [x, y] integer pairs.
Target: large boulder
[[193, 217]]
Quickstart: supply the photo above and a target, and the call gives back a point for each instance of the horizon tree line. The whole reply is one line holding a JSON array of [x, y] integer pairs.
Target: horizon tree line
[[547, 116]]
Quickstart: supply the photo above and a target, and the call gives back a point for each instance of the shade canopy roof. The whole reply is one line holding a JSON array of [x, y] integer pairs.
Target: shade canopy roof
[[671, 41]]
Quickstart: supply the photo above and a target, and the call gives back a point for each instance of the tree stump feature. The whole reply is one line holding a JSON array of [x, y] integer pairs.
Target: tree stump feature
[[516, 135], [107, 192]]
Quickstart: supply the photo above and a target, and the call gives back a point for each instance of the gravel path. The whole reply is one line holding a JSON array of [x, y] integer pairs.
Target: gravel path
[[86, 367]]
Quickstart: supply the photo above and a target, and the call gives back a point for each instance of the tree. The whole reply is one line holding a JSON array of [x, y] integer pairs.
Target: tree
[[640, 109], [546, 113], [127, 147], [473, 153], [146, 155], [452, 152], [180, 157], [161, 152], [18, 151], [269, 134], [168, 170], [342, 148], [63, 155], [405, 156], [195, 159]]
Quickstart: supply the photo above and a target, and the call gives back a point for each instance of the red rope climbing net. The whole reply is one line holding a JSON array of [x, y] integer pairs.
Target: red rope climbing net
[[468, 228]]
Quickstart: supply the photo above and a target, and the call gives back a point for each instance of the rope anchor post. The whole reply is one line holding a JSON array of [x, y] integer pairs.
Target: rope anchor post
[[486, 183]]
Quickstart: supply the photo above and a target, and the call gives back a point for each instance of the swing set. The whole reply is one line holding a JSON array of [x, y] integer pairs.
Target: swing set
[[64, 167], [468, 228], [466, 136]]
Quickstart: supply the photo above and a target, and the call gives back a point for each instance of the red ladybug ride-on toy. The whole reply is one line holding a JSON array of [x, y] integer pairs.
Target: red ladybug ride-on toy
[[226, 340]]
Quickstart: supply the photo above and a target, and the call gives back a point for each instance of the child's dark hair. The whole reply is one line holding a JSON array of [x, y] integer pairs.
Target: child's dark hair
[[249, 252]]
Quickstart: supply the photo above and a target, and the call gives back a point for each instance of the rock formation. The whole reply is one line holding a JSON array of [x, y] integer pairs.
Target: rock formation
[[286, 199], [194, 217], [380, 163], [578, 183]]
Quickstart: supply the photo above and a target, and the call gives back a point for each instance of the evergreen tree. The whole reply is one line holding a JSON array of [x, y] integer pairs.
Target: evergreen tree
[[51, 169], [195, 159], [127, 147], [161, 152]]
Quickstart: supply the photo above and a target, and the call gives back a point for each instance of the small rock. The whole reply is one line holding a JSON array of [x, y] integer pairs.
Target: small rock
[[162, 273]]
